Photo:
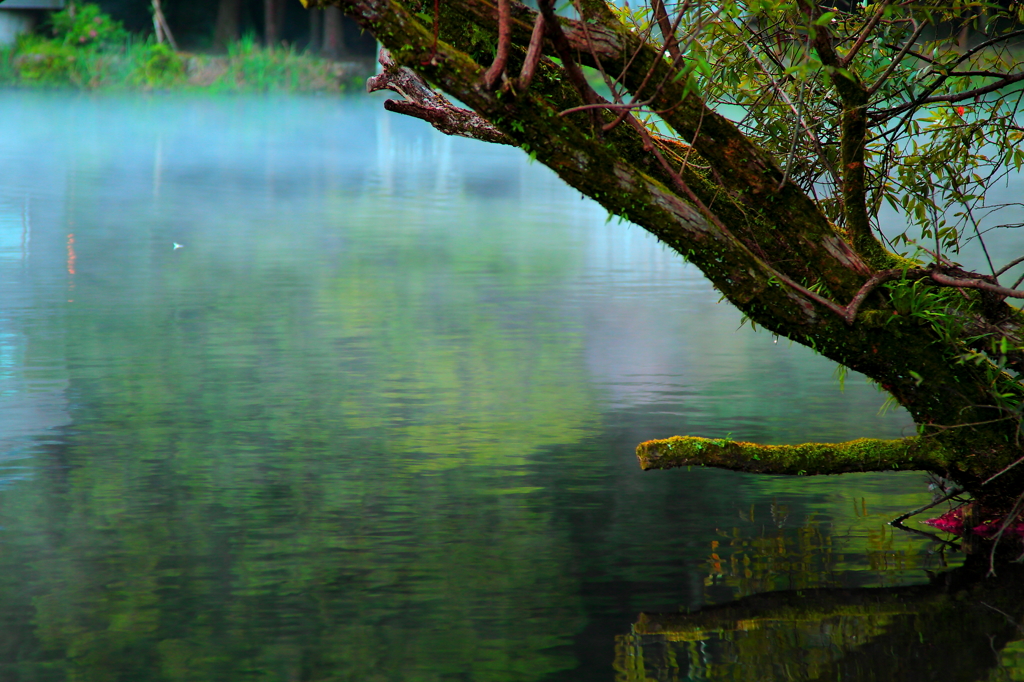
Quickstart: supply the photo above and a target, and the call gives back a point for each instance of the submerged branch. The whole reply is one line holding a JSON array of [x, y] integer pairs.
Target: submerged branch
[[807, 459]]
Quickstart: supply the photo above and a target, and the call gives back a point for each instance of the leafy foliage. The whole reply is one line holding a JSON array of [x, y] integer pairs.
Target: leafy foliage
[[162, 67], [44, 62], [86, 24]]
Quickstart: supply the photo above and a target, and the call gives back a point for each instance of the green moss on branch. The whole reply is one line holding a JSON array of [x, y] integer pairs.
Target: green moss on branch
[[807, 459]]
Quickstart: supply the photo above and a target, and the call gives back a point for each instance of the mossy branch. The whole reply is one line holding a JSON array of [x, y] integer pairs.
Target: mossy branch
[[807, 459]]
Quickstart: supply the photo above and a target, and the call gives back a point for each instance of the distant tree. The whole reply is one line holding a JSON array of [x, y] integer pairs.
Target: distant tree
[[226, 30], [273, 16], [334, 33], [832, 115], [316, 30]]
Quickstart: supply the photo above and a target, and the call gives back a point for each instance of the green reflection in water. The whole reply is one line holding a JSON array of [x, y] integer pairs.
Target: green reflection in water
[[245, 489], [375, 419], [959, 626]]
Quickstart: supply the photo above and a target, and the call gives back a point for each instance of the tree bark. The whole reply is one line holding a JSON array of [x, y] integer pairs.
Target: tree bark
[[226, 30]]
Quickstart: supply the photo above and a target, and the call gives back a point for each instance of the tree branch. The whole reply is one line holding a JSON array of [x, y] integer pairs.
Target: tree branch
[[668, 34], [898, 59], [533, 53], [424, 103], [864, 34], [808, 459], [972, 283], [1015, 261], [853, 143], [493, 74], [564, 50]]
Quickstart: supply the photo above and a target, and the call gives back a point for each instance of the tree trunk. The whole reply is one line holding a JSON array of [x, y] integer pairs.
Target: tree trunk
[[334, 34], [273, 16], [316, 31], [226, 30], [160, 26]]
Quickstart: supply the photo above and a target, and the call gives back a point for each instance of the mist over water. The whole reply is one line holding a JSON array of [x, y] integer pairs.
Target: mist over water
[[374, 418]]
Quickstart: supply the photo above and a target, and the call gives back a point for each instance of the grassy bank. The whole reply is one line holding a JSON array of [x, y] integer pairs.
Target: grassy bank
[[87, 50]]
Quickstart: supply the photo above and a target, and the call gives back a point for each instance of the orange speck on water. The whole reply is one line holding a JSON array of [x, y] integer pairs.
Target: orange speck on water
[[71, 253]]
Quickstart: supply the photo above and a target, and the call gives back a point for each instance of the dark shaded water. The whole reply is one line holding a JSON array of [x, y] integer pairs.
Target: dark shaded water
[[375, 419]]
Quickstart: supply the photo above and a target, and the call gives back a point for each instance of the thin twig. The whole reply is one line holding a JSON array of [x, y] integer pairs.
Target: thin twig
[[1010, 518], [667, 29], [1000, 473], [975, 284], [1004, 614], [792, 146], [608, 127], [781, 92], [898, 521], [564, 50], [897, 59], [533, 54], [850, 314], [862, 38], [1015, 261], [603, 105], [497, 67]]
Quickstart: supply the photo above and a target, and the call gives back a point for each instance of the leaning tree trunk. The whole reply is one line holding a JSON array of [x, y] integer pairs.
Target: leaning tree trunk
[[726, 205]]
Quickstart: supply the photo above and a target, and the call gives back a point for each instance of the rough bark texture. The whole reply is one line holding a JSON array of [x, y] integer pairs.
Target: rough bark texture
[[724, 204]]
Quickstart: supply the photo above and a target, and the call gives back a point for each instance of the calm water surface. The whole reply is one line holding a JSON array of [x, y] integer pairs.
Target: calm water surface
[[375, 418]]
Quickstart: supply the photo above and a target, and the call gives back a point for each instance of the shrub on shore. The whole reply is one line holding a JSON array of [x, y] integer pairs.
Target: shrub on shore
[[86, 49]]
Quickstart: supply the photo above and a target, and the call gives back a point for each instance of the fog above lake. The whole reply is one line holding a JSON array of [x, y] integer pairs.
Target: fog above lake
[[294, 177]]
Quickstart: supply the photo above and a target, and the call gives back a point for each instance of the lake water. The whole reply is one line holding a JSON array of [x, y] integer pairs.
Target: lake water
[[375, 418]]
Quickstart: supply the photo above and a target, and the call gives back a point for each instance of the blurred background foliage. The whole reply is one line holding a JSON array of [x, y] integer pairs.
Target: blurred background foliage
[[231, 46]]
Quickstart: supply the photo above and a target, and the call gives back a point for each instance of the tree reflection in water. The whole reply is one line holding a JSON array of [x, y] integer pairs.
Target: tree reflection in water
[[962, 625]]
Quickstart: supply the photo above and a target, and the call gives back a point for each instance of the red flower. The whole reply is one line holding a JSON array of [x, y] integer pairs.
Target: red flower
[[950, 522]]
